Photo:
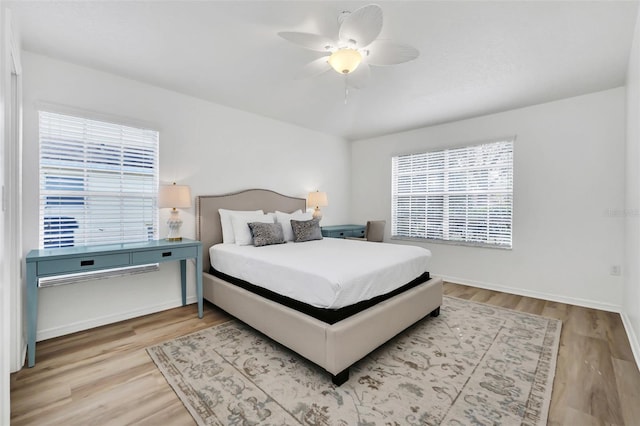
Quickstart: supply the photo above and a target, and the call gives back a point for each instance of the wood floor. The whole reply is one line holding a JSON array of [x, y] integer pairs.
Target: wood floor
[[103, 376]]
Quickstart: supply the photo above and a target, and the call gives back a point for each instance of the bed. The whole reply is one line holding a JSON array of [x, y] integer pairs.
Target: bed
[[334, 346]]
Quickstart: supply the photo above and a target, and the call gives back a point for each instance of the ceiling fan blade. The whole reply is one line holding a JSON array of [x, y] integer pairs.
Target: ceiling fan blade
[[386, 52], [314, 68], [360, 77], [361, 26], [309, 41]]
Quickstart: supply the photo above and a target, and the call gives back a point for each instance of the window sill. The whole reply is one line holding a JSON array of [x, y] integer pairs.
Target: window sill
[[451, 243]]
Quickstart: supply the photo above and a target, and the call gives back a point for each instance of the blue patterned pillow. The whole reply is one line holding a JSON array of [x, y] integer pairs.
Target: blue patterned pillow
[[306, 230], [265, 234]]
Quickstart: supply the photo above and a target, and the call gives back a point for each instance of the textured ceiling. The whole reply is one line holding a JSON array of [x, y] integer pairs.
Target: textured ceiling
[[475, 57]]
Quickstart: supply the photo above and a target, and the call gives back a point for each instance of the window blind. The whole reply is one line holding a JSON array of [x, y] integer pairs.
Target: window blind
[[98, 182], [463, 195]]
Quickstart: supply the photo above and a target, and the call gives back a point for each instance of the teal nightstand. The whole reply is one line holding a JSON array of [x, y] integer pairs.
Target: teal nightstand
[[71, 260], [343, 231]]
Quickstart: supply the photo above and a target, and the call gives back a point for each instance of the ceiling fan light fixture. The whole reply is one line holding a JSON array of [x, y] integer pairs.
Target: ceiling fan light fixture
[[345, 61]]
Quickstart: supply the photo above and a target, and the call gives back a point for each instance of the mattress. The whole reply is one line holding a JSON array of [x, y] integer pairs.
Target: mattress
[[330, 273]]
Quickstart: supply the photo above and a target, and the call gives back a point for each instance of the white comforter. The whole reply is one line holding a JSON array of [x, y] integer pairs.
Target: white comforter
[[328, 273]]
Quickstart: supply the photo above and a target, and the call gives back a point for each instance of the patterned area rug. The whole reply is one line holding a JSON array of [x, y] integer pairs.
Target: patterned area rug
[[475, 364]]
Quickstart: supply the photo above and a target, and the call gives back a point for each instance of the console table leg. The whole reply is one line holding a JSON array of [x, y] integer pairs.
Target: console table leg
[[183, 280], [199, 284]]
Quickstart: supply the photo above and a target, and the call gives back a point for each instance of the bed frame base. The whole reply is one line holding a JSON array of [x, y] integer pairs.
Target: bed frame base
[[334, 347], [435, 312]]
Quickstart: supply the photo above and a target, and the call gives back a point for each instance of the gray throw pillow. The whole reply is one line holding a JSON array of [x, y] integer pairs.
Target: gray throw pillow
[[306, 230], [265, 234]]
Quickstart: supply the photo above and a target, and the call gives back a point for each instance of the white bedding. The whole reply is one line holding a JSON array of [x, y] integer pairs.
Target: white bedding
[[328, 273]]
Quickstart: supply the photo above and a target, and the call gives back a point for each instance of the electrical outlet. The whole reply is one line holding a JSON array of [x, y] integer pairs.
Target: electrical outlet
[[616, 270]]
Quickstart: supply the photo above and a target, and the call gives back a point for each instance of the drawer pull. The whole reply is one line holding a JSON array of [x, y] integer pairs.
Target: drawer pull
[[86, 263], [166, 254], [342, 233]]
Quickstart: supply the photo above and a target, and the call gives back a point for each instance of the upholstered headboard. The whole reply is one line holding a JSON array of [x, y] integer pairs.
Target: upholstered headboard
[[208, 228]]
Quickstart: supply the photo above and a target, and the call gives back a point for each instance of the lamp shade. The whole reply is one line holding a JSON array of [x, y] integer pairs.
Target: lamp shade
[[345, 61], [318, 199], [174, 196]]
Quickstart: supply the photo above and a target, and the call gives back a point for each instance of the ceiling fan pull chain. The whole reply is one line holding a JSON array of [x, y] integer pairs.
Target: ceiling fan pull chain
[[346, 88]]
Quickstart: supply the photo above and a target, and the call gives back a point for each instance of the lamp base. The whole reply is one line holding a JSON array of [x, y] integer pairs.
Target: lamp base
[[174, 222], [317, 214]]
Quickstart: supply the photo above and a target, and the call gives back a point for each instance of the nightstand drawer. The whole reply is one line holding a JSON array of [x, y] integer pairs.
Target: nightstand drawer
[[81, 264], [343, 231], [155, 256], [337, 234], [357, 233]]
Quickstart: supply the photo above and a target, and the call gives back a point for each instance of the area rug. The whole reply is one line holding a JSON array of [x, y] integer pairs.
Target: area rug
[[475, 364]]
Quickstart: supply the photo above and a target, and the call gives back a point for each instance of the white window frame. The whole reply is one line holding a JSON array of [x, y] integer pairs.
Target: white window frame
[[98, 177], [461, 195]]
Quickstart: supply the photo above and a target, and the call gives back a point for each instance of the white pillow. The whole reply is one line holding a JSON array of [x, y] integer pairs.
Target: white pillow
[[241, 229], [227, 226], [285, 220]]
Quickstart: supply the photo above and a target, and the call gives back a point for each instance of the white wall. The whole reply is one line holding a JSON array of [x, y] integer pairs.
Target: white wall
[[212, 148], [631, 308], [568, 198]]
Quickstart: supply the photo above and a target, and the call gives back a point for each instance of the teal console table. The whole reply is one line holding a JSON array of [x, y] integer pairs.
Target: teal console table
[[71, 260]]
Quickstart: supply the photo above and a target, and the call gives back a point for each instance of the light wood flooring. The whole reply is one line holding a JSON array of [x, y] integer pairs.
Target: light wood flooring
[[104, 376]]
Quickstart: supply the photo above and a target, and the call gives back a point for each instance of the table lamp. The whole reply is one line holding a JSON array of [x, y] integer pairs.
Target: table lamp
[[175, 197], [317, 199]]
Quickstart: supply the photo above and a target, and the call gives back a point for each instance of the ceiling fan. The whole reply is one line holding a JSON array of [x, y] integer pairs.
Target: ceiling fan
[[355, 49]]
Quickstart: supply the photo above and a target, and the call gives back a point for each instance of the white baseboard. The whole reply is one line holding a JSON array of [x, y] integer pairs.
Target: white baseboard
[[609, 307], [109, 319], [633, 337]]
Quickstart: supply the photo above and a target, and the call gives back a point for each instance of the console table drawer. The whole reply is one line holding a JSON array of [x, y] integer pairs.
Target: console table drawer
[[155, 256], [80, 264]]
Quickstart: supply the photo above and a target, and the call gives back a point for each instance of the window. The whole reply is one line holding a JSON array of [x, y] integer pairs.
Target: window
[[98, 182], [462, 195]]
